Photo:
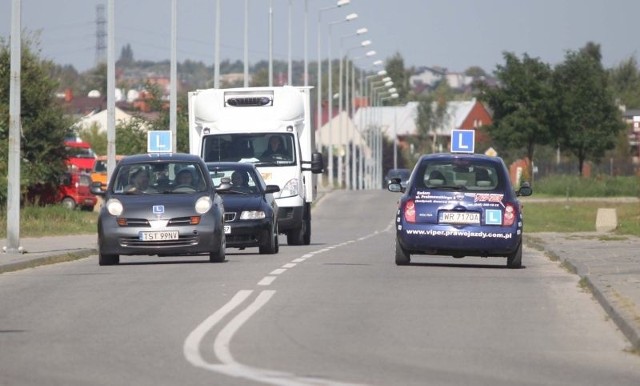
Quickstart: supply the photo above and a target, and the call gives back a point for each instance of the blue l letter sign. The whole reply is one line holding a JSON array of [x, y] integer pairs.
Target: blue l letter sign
[[159, 141], [463, 141]]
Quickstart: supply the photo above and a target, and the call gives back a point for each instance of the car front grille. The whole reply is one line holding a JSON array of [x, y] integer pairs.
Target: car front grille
[[229, 216], [144, 223], [183, 241]]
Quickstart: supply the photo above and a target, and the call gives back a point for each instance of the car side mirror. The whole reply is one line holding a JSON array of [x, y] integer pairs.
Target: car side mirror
[[96, 188], [525, 190], [272, 189], [395, 187]]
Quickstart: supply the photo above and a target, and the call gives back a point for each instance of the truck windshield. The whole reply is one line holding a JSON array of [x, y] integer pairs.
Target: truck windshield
[[273, 149]]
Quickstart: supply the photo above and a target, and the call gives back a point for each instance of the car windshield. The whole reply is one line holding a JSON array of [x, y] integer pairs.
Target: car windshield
[[458, 174], [241, 181], [259, 148], [159, 178]]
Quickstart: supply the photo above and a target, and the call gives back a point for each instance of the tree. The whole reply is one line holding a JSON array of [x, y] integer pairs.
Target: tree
[[625, 83], [522, 104], [131, 138], [396, 71], [432, 110], [44, 125], [589, 120]]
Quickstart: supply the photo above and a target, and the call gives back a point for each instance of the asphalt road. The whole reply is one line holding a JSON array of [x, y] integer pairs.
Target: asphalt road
[[338, 311]]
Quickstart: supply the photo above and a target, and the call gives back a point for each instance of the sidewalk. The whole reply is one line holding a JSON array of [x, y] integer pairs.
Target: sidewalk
[[608, 264], [47, 250]]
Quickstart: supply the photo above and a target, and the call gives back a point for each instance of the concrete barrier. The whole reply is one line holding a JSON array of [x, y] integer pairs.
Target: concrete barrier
[[606, 220]]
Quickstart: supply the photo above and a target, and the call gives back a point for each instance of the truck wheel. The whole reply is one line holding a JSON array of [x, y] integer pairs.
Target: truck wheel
[[68, 203], [307, 220], [296, 236]]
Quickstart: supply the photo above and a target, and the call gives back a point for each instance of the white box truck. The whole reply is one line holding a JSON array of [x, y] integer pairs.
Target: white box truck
[[270, 127]]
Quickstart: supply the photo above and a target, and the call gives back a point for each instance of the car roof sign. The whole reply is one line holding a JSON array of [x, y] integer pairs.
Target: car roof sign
[[463, 141]]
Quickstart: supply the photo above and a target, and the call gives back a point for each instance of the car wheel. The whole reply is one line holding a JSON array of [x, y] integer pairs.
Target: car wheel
[[269, 244], [105, 259], [68, 203], [514, 260], [218, 256], [402, 256]]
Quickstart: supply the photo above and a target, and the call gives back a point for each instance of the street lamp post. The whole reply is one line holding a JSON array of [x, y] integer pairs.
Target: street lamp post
[[349, 98], [349, 17], [339, 3], [342, 103]]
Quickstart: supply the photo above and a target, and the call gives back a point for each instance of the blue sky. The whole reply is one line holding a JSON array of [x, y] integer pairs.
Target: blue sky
[[454, 34]]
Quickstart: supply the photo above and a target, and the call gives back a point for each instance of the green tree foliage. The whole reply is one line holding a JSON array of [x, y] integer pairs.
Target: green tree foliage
[[97, 139], [400, 76], [131, 137], [625, 82], [589, 120], [44, 125], [522, 104], [432, 110], [96, 79]]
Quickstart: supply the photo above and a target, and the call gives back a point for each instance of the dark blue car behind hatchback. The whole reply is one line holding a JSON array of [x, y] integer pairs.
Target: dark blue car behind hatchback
[[459, 205]]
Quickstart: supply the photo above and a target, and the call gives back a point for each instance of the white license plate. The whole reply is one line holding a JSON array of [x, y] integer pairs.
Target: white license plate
[[447, 217], [227, 229], [159, 235]]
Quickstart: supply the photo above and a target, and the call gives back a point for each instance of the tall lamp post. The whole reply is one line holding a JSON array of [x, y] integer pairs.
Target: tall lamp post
[[339, 3], [349, 17], [349, 99], [343, 105]]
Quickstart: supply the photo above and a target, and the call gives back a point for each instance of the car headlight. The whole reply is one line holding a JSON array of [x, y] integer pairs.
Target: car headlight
[[203, 204], [252, 215], [114, 207], [290, 189]]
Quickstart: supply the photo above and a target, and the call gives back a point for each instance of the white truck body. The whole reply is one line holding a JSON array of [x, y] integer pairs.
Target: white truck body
[[236, 124]]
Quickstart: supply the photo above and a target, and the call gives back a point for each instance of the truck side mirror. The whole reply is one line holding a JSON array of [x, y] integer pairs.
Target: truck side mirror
[[317, 163]]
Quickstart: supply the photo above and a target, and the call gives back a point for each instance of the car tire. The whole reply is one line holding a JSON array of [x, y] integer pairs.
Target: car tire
[[514, 260], [219, 255], [269, 244], [106, 259], [402, 256], [68, 203]]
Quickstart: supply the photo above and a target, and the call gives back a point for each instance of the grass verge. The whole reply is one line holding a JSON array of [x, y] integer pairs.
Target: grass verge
[[51, 221]]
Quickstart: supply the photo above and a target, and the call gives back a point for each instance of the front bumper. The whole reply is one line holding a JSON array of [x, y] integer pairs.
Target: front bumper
[[247, 233], [125, 240]]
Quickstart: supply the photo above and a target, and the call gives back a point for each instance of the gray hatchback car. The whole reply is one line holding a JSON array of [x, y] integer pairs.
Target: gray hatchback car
[[160, 204]]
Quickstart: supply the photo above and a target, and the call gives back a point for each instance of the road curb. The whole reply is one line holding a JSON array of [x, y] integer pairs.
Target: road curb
[[46, 260], [621, 320]]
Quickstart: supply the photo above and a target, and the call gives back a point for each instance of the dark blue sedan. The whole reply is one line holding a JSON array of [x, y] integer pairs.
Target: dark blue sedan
[[251, 211], [459, 205]]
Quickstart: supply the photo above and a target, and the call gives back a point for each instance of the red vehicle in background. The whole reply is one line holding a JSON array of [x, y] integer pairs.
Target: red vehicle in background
[[74, 191], [81, 155]]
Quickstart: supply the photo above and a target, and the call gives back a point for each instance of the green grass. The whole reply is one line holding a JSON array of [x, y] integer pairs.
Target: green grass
[[599, 186], [51, 221], [570, 216]]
